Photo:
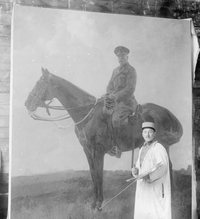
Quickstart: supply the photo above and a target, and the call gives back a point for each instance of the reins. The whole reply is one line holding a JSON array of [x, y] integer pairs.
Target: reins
[[59, 118], [63, 117]]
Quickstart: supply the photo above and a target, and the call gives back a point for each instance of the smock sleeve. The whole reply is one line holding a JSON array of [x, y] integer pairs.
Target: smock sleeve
[[161, 157]]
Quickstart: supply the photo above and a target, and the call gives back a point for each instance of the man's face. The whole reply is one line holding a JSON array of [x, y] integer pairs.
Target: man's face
[[122, 58], [148, 134]]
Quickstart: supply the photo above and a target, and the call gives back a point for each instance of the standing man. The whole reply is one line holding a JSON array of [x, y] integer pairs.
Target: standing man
[[153, 190], [120, 89]]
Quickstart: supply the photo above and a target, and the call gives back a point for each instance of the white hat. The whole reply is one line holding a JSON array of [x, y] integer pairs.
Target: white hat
[[150, 125]]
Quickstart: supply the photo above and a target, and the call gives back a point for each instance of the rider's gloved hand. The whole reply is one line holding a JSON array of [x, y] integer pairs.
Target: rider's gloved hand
[[112, 96]]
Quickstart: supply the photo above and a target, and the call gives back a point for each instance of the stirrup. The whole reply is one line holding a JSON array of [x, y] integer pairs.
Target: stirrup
[[115, 151], [134, 116]]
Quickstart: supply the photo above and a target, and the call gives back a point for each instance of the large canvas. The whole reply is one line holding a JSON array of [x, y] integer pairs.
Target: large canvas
[[50, 175]]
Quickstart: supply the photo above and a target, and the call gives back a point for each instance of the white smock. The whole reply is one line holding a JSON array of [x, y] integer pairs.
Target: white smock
[[153, 200]]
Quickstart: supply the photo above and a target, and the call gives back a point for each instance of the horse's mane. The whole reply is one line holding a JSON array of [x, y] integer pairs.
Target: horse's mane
[[76, 101], [72, 91]]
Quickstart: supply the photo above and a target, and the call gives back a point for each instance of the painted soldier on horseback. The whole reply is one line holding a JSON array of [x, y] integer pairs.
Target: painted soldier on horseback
[[92, 119]]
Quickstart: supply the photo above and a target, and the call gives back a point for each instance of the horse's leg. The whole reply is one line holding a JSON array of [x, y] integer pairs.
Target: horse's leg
[[98, 167], [96, 161], [93, 176]]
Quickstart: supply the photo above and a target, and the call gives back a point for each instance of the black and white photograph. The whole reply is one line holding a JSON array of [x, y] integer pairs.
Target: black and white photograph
[[101, 115]]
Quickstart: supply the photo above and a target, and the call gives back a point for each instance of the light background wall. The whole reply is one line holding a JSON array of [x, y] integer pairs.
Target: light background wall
[[78, 46]]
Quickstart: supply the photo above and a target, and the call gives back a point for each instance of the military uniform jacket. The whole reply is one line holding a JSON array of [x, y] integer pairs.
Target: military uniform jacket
[[122, 83]]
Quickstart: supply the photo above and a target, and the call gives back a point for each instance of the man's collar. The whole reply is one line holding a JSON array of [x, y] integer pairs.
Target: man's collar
[[124, 65], [148, 143]]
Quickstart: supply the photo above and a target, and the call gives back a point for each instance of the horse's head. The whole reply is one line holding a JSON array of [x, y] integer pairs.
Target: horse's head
[[40, 92]]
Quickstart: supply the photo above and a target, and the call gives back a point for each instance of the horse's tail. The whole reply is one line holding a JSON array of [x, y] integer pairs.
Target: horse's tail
[[169, 128]]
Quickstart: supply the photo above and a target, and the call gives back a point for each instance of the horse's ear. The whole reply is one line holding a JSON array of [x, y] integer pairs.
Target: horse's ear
[[45, 72], [48, 73]]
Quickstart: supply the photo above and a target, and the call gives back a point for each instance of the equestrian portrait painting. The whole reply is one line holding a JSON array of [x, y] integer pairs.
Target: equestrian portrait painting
[[82, 85]]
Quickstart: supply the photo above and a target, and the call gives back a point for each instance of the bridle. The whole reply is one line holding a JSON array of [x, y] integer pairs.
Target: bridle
[[59, 118], [35, 116], [36, 95], [63, 117]]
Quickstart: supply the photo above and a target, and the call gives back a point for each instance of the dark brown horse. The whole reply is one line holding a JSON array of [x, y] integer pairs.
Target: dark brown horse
[[94, 129]]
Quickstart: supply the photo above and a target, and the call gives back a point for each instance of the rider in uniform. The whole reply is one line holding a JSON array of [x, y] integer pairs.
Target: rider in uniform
[[120, 89]]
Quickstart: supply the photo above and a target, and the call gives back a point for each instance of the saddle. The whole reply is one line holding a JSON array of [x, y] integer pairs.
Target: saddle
[[127, 114]]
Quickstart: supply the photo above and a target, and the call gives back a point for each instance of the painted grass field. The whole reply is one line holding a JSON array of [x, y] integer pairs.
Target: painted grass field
[[68, 195]]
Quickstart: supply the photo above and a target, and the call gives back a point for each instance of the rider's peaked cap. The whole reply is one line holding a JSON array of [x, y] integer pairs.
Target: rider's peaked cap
[[149, 125], [121, 50]]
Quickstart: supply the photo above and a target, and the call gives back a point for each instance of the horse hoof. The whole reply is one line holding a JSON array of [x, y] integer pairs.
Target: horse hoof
[[98, 206], [93, 205], [99, 209]]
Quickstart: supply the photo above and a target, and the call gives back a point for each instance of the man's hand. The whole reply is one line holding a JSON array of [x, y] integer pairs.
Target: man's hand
[[134, 171], [147, 179]]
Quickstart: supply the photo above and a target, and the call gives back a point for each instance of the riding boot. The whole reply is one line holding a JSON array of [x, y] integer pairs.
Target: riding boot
[[117, 148]]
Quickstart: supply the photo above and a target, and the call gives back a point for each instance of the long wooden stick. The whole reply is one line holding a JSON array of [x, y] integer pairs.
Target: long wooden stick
[[118, 194], [132, 159], [135, 179]]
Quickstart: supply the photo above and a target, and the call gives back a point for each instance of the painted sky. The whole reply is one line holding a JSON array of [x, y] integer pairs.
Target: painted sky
[[78, 46]]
